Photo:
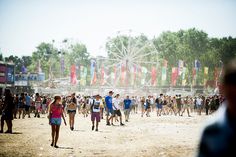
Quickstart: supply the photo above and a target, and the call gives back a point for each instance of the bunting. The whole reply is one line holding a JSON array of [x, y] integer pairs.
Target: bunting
[[154, 76], [73, 74], [205, 75], [93, 72], [174, 76], [163, 73]]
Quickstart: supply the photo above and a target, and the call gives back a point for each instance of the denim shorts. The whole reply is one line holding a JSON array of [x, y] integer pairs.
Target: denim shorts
[[55, 121]]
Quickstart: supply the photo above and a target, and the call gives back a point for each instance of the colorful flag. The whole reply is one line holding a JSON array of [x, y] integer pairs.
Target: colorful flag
[[73, 74], [184, 76], [180, 67], [197, 64], [123, 74], [174, 76], [92, 71], [205, 75], [102, 76], [62, 65], [216, 76], [24, 69], [163, 73], [135, 73], [83, 75], [154, 76], [194, 76], [143, 77]]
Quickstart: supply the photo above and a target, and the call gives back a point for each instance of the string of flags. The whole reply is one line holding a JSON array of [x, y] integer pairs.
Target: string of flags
[[138, 74]]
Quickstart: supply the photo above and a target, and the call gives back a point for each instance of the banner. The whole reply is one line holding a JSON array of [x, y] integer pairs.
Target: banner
[[216, 76], [102, 81], [154, 76], [62, 65], [143, 76], [3, 73], [194, 76], [123, 74], [174, 76], [92, 72], [24, 69], [163, 73], [197, 64], [73, 74], [180, 67], [184, 76], [135, 73], [132, 76], [205, 75], [83, 75]]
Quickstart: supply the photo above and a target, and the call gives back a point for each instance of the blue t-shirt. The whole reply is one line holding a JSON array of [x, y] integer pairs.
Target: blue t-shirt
[[108, 101], [27, 100], [127, 103]]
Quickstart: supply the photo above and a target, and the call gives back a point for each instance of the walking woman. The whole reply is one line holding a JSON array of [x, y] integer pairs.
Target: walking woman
[[55, 114], [38, 105], [22, 106], [7, 113], [71, 109]]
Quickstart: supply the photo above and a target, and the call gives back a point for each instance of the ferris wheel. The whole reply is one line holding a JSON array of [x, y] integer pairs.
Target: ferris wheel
[[130, 56]]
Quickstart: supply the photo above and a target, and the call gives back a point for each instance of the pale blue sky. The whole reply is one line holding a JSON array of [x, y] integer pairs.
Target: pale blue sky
[[26, 23]]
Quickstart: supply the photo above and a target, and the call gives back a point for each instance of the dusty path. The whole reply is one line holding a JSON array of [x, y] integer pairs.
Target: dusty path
[[148, 136]]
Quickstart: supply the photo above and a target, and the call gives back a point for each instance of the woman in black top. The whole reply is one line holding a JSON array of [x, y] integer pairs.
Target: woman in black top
[[7, 114]]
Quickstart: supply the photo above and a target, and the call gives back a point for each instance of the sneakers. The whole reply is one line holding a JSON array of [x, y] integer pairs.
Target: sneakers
[[92, 127], [122, 124], [96, 130]]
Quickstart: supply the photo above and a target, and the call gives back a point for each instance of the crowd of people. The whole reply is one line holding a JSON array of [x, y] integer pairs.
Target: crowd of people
[[112, 106], [24, 104], [221, 131]]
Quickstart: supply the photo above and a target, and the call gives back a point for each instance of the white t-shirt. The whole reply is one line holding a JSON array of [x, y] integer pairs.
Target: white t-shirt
[[90, 101], [116, 103], [199, 101], [151, 101], [96, 106]]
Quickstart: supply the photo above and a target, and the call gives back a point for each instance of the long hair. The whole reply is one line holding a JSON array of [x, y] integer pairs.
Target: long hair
[[55, 99]]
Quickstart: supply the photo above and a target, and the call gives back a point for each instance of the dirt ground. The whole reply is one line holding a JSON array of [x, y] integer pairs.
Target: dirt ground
[[148, 136]]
